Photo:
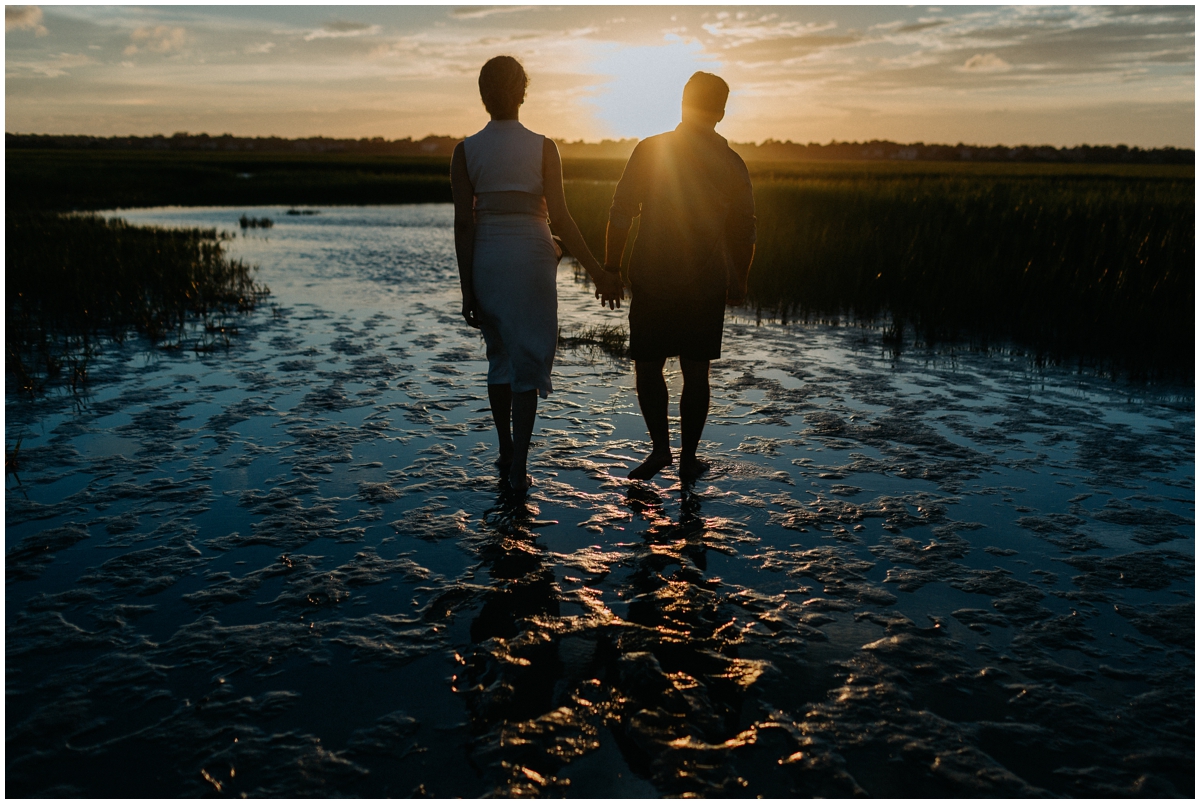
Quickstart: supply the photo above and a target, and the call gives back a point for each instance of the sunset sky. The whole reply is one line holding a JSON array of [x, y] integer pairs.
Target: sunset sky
[[973, 74]]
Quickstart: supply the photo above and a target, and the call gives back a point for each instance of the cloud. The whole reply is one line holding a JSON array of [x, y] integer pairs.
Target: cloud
[[24, 18], [159, 39], [344, 26], [485, 11], [340, 28], [49, 68], [792, 79], [742, 33], [989, 63], [922, 26]]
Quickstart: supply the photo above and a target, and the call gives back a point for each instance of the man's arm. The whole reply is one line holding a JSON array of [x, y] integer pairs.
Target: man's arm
[[626, 205], [463, 194], [741, 254], [614, 246], [741, 232]]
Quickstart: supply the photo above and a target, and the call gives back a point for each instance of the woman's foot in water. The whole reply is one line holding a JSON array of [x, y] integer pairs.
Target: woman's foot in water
[[503, 464], [657, 461], [518, 479], [691, 467]]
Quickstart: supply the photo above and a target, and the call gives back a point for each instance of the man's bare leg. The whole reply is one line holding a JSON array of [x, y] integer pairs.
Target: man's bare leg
[[652, 398], [693, 412], [524, 411], [500, 399]]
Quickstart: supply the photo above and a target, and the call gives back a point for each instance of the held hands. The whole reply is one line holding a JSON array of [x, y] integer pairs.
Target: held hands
[[610, 289], [735, 294], [470, 311]]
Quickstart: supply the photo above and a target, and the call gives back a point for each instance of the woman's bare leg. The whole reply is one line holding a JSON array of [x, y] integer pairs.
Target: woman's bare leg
[[524, 412], [693, 412], [652, 398], [500, 398]]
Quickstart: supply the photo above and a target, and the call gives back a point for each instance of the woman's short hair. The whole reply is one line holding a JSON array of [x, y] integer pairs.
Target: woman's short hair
[[502, 84], [707, 92]]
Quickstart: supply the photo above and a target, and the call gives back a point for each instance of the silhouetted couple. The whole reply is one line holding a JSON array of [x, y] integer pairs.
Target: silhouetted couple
[[691, 257]]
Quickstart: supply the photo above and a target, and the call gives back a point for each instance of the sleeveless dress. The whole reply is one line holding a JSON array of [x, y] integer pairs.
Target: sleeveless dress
[[515, 267]]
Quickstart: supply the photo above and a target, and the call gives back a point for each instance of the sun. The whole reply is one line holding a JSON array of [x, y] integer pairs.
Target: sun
[[642, 86]]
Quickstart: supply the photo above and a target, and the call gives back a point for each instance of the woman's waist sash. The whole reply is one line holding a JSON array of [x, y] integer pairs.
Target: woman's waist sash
[[510, 202]]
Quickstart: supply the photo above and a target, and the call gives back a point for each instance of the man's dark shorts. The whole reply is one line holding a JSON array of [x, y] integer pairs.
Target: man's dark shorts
[[673, 326]]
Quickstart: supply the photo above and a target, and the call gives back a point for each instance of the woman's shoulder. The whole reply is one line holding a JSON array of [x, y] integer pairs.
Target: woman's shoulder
[[505, 132], [533, 135]]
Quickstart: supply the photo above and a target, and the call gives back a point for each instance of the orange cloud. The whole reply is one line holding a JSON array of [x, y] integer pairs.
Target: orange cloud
[[24, 18], [989, 63], [159, 39]]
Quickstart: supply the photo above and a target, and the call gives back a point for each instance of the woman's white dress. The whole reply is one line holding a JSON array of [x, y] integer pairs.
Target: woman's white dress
[[515, 266]]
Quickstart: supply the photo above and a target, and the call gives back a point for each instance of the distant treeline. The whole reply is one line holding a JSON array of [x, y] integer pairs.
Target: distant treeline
[[883, 149], [376, 146], [183, 141], [768, 150]]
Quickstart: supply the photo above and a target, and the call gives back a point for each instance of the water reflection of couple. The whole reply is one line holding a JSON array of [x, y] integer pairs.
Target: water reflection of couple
[[692, 255]]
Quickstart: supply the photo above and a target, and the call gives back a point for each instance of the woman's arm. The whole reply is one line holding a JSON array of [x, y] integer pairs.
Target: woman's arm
[[608, 286], [464, 231]]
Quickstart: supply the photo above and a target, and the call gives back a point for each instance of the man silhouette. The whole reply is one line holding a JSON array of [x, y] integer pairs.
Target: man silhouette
[[692, 256]]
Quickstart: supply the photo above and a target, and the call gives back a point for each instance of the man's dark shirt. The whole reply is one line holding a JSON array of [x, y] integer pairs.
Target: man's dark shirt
[[694, 197]]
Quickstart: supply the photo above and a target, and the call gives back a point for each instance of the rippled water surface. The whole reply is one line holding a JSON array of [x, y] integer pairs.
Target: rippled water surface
[[288, 568]]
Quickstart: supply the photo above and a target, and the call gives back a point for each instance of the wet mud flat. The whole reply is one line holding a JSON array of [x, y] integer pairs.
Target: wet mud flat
[[289, 568]]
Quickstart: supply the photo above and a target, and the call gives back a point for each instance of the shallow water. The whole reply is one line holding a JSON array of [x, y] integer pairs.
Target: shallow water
[[288, 568]]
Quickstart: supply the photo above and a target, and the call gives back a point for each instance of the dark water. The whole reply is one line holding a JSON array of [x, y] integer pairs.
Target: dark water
[[288, 569]]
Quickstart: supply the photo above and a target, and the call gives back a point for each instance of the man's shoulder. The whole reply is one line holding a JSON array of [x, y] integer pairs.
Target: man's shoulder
[[726, 149], [653, 142], [733, 158], [736, 160]]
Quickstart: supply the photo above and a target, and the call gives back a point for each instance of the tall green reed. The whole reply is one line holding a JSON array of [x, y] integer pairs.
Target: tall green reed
[[72, 279], [1079, 264]]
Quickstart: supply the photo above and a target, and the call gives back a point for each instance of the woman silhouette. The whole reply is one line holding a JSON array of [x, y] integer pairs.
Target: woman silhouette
[[505, 181]]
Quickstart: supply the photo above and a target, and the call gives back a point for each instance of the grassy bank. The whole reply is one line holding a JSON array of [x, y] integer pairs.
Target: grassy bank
[[1070, 259], [90, 180], [73, 280], [1083, 262], [1102, 266]]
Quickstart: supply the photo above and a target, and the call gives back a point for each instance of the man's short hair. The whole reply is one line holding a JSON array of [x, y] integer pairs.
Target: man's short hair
[[707, 92], [502, 85]]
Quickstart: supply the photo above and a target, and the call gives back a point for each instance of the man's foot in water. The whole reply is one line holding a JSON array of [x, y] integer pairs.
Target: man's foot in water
[[519, 482], [652, 465], [691, 467]]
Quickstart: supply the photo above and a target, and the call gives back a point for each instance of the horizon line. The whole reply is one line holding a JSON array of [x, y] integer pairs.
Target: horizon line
[[601, 142]]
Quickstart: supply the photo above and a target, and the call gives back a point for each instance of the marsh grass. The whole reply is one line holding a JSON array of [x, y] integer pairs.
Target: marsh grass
[[12, 459], [610, 339], [1091, 264], [1065, 259], [73, 281]]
